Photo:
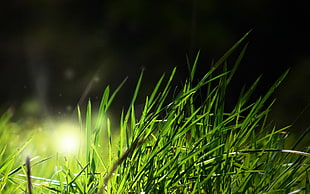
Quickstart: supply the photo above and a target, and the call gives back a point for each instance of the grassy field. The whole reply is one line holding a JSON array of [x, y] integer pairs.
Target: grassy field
[[188, 144]]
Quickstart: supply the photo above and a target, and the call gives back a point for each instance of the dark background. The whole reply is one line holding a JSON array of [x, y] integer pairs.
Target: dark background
[[56, 54]]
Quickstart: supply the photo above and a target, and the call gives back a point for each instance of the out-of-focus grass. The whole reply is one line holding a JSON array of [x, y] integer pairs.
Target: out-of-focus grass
[[188, 144]]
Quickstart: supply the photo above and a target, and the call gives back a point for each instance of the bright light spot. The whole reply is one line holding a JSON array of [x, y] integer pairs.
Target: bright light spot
[[67, 136], [68, 143]]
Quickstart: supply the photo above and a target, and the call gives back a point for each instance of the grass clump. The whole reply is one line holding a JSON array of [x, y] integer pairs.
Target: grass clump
[[190, 144]]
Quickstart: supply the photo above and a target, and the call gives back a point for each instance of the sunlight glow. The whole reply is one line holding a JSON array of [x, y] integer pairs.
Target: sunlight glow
[[67, 136]]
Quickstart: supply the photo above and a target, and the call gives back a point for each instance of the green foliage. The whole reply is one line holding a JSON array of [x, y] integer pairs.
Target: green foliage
[[190, 144]]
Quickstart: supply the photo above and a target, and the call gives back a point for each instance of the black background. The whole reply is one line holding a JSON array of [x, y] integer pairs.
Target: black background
[[51, 51]]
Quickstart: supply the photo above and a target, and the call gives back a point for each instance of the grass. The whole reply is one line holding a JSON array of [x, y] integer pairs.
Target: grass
[[188, 144]]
